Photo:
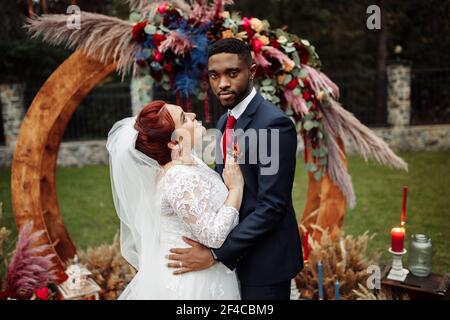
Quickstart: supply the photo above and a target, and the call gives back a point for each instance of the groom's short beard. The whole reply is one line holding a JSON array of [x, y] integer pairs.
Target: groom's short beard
[[242, 95]]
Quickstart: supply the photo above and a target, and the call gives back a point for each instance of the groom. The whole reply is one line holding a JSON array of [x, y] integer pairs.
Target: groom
[[264, 247]]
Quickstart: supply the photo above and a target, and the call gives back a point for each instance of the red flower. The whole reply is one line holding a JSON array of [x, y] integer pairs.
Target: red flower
[[302, 52], [274, 43], [292, 85], [256, 45], [138, 33], [168, 67], [158, 56], [248, 27], [158, 38], [307, 95], [163, 8], [42, 293], [246, 23], [306, 83]]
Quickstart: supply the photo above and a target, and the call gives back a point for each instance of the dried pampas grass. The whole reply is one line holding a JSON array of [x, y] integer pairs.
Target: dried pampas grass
[[338, 123], [345, 260], [106, 39], [109, 270]]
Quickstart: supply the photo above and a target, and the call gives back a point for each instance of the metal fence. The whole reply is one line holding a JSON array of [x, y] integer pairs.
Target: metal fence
[[430, 96], [2, 132], [105, 104], [358, 95], [98, 111], [197, 106]]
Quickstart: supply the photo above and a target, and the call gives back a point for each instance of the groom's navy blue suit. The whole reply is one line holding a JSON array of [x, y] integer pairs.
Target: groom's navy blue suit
[[264, 247]]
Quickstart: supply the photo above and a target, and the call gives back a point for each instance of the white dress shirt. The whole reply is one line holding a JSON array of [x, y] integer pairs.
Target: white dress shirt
[[239, 109]]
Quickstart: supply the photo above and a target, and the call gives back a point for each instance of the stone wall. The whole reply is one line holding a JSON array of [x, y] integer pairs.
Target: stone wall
[[399, 95], [76, 153], [416, 138], [412, 138], [12, 108]]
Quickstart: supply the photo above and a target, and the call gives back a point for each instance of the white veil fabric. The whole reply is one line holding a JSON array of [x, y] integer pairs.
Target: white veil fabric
[[137, 200]]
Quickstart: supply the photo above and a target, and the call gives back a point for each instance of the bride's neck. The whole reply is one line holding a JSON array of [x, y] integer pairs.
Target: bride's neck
[[185, 158]]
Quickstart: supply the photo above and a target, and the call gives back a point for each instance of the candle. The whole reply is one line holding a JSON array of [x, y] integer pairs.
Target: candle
[[397, 238], [305, 247], [320, 279], [336, 290], [405, 195]]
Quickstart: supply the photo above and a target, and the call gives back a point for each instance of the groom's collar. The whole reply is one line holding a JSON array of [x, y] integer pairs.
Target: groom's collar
[[246, 116], [240, 108]]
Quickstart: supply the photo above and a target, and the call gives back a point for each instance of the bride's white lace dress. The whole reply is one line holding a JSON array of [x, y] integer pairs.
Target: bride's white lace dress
[[192, 205]]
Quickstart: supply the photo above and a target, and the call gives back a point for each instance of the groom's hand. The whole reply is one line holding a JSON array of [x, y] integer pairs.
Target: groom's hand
[[196, 258]]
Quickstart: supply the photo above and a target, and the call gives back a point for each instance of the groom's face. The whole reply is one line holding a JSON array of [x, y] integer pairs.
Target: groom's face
[[230, 78]]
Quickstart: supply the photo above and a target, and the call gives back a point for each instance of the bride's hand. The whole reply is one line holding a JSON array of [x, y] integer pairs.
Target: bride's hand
[[232, 175]]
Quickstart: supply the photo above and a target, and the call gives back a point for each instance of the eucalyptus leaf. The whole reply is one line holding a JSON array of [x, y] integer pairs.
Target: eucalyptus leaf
[[312, 167], [315, 153], [296, 58], [135, 17], [318, 175], [308, 125], [268, 88], [305, 42], [296, 91], [150, 29], [287, 79], [266, 82], [303, 73], [288, 49], [289, 111]]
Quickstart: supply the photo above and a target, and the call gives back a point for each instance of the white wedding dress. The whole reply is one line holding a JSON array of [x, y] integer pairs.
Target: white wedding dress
[[192, 205], [156, 208]]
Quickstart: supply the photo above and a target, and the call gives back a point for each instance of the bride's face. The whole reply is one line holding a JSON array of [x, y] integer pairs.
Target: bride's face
[[186, 125]]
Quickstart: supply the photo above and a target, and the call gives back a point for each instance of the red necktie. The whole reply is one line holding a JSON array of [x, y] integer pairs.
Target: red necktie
[[227, 135]]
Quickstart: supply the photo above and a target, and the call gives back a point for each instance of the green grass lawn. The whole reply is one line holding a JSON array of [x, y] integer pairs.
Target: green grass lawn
[[86, 204]]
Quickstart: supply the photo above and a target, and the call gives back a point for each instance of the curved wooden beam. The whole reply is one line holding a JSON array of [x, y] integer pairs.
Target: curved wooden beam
[[33, 184]]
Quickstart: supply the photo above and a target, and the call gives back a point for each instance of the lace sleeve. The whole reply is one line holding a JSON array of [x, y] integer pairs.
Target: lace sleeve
[[191, 197]]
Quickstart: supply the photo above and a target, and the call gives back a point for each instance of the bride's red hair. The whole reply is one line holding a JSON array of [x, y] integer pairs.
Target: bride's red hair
[[155, 126]]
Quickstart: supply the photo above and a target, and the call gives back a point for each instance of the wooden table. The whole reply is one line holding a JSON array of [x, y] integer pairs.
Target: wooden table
[[433, 287]]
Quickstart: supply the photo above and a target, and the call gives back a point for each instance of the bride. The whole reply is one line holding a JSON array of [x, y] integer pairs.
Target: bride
[[162, 192]]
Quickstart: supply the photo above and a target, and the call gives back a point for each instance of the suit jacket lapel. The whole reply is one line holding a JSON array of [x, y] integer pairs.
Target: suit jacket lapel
[[246, 117], [242, 123]]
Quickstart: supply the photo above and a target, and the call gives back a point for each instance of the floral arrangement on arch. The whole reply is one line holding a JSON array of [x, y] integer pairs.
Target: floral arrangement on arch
[[173, 50], [168, 39]]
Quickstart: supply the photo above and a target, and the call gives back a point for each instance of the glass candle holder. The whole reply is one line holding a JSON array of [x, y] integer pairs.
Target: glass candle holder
[[420, 255]]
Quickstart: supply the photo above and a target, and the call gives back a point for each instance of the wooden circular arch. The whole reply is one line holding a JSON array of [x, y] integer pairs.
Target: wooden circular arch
[[33, 184]]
